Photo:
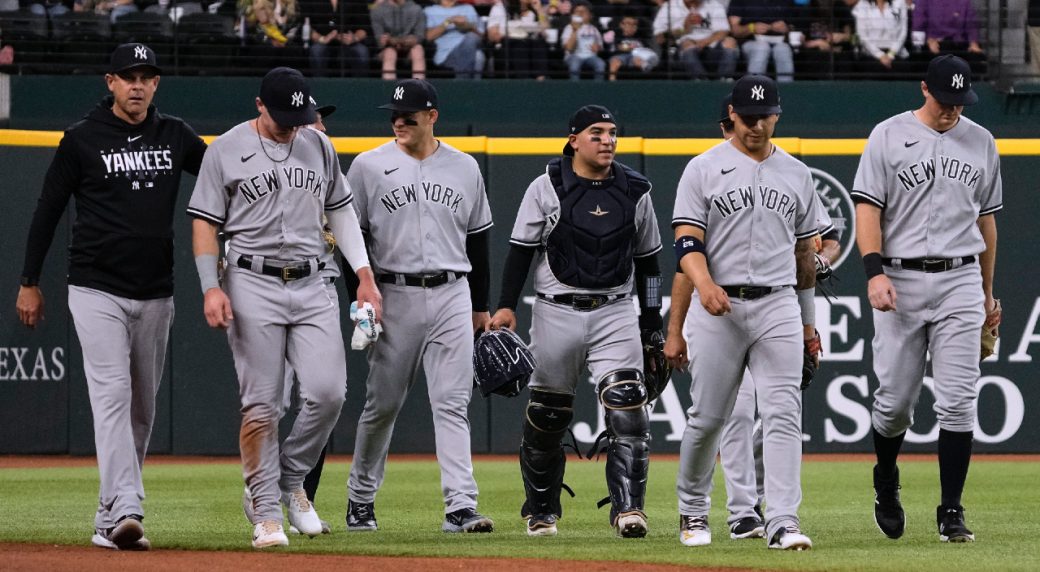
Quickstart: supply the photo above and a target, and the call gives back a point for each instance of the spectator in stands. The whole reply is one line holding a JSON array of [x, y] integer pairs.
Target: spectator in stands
[[582, 42], [8, 5], [706, 40], [339, 31], [517, 30], [632, 49], [50, 8], [399, 27], [827, 43], [1033, 29], [668, 23], [763, 27], [455, 29], [949, 25], [270, 22], [618, 9], [881, 27], [114, 9]]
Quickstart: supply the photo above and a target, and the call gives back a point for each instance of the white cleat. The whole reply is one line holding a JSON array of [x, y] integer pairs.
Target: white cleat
[[269, 533], [694, 531], [790, 537], [301, 513]]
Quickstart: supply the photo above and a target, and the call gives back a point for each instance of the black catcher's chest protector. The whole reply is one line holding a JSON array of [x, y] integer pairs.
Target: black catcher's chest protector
[[592, 244]]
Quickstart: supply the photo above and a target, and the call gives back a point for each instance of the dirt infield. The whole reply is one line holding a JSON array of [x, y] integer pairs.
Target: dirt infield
[[84, 559]]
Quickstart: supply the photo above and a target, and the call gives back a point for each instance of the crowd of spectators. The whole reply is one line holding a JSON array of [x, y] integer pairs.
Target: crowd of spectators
[[577, 39]]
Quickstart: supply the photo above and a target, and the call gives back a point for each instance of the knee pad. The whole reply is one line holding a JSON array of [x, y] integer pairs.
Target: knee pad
[[548, 415], [622, 389]]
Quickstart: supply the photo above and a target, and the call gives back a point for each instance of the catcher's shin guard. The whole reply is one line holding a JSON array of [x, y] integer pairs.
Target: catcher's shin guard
[[542, 459], [624, 396]]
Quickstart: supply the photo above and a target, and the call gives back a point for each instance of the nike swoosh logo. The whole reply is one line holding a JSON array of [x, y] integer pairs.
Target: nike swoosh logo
[[247, 157], [909, 144], [728, 171], [390, 171], [132, 139]]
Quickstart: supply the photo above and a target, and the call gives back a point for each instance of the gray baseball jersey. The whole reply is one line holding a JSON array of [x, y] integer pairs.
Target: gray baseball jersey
[[269, 199], [537, 217], [931, 188], [752, 213], [416, 215]]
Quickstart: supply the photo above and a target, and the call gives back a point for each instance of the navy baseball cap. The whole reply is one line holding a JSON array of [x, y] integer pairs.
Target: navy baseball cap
[[287, 97], [582, 119], [325, 110], [127, 57], [949, 81], [755, 95], [412, 95], [724, 111]]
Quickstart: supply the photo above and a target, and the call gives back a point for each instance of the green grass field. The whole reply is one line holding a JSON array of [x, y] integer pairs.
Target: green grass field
[[198, 507]]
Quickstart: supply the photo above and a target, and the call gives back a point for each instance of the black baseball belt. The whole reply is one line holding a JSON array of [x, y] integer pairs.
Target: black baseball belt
[[287, 271], [929, 264], [745, 292], [582, 302], [421, 280]]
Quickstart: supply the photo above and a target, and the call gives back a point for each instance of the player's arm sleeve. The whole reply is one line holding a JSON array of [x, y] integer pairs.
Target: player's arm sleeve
[[58, 185], [351, 243], [480, 214], [648, 234], [339, 194], [869, 185], [478, 252], [209, 200], [356, 181], [530, 218], [807, 222], [992, 192], [514, 275], [690, 208], [194, 149], [824, 223], [648, 289]]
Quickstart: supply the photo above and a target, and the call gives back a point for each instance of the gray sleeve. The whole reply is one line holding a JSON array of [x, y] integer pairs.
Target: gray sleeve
[[480, 215], [648, 234], [807, 220], [339, 194], [209, 200], [356, 180], [531, 217], [991, 193], [870, 183], [690, 208], [824, 222]]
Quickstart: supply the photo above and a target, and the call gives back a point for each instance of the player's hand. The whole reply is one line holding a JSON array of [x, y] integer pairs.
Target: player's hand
[[30, 305], [811, 339], [503, 318], [481, 321], [715, 300], [217, 308], [881, 293], [994, 313], [675, 352], [368, 291]]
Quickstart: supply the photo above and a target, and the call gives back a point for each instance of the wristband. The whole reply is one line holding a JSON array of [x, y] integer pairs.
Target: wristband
[[207, 267], [807, 302], [872, 265], [685, 245]]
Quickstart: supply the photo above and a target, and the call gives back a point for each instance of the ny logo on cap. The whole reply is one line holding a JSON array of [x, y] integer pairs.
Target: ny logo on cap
[[606, 115], [958, 81], [297, 99], [141, 53], [399, 93], [758, 93]]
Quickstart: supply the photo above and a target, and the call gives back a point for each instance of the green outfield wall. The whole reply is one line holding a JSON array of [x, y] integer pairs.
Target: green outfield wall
[[43, 399]]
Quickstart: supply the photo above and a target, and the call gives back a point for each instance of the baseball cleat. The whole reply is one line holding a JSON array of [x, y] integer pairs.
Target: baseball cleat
[[467, 520], [694, 531], [361, 516], [790, 537], [747, 527], [951, 524], [630, 525], [325, 529], [269, 533], [888, 511], [301, 512], [127, 534], [541, 525]]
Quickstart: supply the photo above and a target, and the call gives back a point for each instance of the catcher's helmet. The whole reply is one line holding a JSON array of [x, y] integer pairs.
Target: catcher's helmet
[[502, 363]]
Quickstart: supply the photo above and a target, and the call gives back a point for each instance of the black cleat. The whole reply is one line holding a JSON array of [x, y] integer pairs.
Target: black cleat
[[541, 525], [951, 524], [361, 516], [467, 520], [888, 511], [747, 527]]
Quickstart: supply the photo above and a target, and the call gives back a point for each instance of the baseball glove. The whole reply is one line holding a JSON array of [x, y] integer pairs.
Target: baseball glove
[[990, 331], [811, 359], [656, 371], [824, 276]]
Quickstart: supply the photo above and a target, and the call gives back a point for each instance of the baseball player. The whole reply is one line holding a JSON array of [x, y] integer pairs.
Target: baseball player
[[123, 163], [266, 183], [926, 191], [592, 223], [746, 214], [740, 446], [423, 207]]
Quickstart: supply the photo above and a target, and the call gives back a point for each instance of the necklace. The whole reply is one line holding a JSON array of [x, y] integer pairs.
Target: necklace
[[264, 147]]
